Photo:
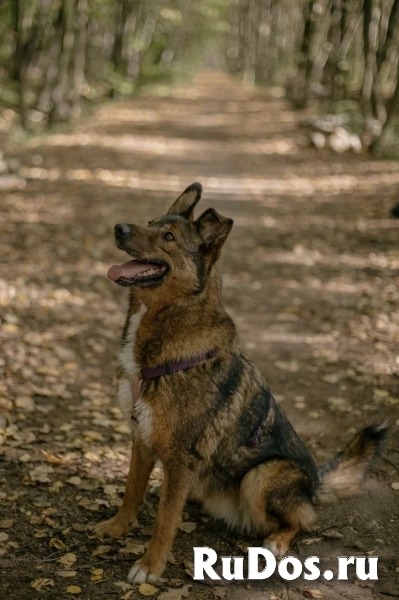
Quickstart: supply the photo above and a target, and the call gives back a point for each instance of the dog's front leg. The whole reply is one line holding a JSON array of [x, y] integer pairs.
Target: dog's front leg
[[175, 491], [141, 463]]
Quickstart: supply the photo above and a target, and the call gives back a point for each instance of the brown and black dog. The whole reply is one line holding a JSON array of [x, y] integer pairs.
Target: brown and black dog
[[201, 407]]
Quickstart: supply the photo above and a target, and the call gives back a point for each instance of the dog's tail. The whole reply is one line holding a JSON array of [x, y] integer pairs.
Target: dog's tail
[[344, 474]]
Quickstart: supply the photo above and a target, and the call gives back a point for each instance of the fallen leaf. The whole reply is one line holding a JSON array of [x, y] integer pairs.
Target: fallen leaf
[[66, 573], [172, 560], [79, 526], [25, 457], [6, 523], [3, 536], [133, 549], [25, 403], [66, 427], [313, 414], [97, 575], [55, 460], [40, 474], [175, 594], [88, 504], [311, 540], [42, 582], [55, 487], [147, 590], [56, 543], [332, 534], [67, 559], [331, 378], [123, 585], [75, 480], [313, 593], [395, 486], [220, 592], [100, 550], [290, 366], [73, 589], [188, 526]]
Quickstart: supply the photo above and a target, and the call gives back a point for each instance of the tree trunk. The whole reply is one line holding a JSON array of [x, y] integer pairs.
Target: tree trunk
[[306, 63], [16, 18], [117, 51], [379, 146], [372, 104], [263, 40], [79, 64], [44, 103], [393, 24]]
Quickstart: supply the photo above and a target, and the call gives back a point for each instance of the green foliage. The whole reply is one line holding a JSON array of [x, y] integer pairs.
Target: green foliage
[[56, 53]]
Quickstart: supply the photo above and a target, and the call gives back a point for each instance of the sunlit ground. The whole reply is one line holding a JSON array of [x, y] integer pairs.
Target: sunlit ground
[[310, 276]]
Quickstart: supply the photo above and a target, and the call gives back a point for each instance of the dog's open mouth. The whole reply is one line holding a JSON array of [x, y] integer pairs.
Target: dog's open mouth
[[136, 272]]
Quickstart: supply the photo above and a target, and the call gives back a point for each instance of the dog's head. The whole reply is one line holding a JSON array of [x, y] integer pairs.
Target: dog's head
[[174, 251]]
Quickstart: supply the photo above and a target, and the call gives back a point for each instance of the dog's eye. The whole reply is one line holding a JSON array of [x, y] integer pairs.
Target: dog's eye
[[169, 236]]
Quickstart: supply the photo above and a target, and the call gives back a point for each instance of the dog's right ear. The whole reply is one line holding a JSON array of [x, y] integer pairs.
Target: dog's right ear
[[184, 205], [214, 230]]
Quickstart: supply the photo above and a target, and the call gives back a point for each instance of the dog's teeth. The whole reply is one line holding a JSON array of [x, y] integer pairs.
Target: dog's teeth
[[149, 272]]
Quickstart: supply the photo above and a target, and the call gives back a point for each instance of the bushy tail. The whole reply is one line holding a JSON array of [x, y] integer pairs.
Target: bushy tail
[[344, 474]]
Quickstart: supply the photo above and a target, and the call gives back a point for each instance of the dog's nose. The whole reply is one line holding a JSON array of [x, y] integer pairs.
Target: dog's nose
[[122, 229]]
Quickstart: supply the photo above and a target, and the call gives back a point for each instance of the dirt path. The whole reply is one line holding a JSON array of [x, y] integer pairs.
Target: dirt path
[[310, 276]]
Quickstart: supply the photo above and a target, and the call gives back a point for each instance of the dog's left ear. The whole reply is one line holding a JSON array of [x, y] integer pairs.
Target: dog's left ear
[[185, 203], [214, 230]]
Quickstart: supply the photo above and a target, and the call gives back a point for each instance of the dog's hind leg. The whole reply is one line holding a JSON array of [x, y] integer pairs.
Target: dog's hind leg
[[141, 464], [276, 500]]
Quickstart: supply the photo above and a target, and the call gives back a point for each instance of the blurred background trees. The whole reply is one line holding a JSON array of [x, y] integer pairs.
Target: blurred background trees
[[56, 56], [343, 53]]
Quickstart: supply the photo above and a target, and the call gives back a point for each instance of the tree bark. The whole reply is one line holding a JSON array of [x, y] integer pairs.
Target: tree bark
[[79, 64], [306, 63], [380, 145], [117, 51], [44, 103], [393, 24]]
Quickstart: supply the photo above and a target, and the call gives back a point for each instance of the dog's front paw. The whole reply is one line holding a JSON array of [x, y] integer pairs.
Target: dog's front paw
[[277, 545], [115, 527], [143, 571]]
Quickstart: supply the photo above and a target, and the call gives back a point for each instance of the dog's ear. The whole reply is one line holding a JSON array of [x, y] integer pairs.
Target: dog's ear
[[214, 230], [185, 203]]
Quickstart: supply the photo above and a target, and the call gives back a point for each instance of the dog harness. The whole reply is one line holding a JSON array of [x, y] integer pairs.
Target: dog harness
[[173, 366], [166, 368], [254, 440]]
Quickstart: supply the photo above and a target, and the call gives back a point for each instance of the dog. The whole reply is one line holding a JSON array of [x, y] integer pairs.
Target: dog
[[200, 406]]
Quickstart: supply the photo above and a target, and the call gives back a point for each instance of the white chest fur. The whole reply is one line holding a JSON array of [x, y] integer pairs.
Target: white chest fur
[[141, 410], [126, 355]]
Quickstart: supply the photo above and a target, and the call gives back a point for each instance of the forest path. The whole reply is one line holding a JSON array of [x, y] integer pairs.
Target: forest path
[[310, 276]]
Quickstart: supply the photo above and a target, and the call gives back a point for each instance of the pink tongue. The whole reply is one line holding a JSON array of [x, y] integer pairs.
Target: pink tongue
[[129, 269]]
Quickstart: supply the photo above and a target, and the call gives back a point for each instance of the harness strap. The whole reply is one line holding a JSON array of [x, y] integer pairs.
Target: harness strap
[[166, 368], [254, 440], [172, 366]]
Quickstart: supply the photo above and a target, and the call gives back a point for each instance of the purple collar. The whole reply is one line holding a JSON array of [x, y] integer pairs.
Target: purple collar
[[172, 366], [166, 369]]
